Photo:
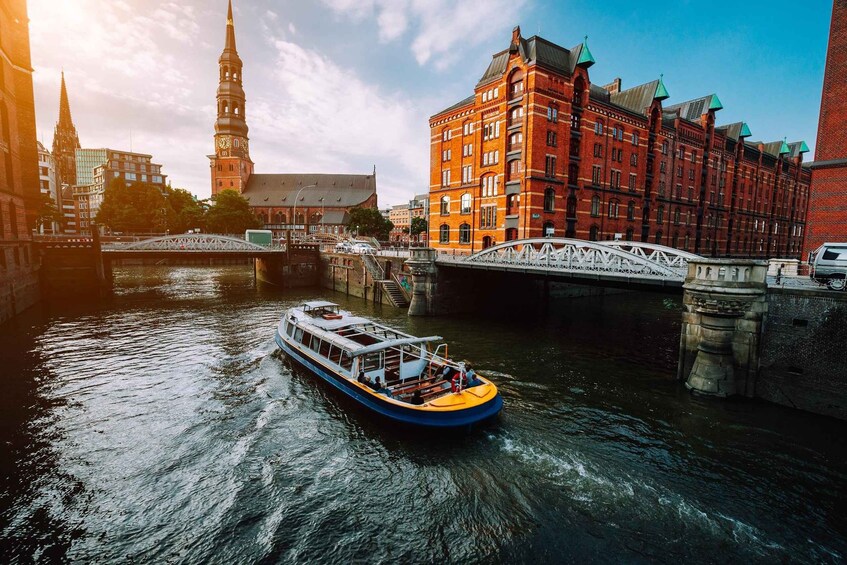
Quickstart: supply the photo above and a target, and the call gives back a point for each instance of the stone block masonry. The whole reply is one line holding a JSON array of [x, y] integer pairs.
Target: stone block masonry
[[346, 273], [803, 360]]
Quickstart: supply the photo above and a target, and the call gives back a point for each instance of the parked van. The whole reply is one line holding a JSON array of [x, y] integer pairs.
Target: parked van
[[828, 265]]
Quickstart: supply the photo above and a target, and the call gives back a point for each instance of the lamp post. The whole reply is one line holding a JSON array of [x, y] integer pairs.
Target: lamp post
[[296, 198]]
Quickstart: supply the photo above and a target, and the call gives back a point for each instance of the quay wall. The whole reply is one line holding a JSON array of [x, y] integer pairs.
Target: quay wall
[[19, 279], [347, 273], [803, 359]]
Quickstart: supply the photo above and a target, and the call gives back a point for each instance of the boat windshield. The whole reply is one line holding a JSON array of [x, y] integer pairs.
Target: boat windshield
[[319, 308]]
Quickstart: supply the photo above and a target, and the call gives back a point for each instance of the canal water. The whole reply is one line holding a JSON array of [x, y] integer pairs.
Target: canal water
[[162, 425]]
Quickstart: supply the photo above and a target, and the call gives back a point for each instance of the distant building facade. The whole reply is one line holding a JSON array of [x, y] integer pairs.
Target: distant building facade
[[828, 206], [419, 208], [538, 150], [400, 216], [47, 187], [320, 202], [19, 178]]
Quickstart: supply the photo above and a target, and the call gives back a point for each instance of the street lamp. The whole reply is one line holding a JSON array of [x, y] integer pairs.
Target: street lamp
[[296, 198]]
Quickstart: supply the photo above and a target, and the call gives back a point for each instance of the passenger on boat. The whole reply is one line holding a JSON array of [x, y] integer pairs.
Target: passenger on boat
[[417, 398], [458, 382], [362, 378], [446, 372], [471, 376], [376, 384]]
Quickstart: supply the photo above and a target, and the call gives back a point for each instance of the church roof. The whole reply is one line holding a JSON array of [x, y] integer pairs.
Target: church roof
[[328, 190]]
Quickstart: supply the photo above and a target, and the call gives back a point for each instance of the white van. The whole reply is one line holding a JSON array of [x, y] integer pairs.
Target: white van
[[828, 265]]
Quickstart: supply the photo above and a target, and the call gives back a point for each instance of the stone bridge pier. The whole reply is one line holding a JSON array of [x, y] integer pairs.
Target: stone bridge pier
[[724, 307]]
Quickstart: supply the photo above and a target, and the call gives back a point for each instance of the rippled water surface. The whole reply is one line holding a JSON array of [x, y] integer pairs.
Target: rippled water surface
[[163, 426]]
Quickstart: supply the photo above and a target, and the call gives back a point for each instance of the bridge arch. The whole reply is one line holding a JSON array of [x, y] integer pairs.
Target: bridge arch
[[193, 242]]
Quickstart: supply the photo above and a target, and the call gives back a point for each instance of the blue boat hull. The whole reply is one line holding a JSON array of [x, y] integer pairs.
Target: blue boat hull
[[409, 416]]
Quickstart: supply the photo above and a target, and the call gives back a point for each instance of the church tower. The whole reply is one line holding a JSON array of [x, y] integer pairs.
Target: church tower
[[231, 165], [65, 142]]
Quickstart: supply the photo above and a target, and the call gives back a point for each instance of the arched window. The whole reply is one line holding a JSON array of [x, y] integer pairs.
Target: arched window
[[614, 208], [549, 230], [226, 73], [445, 205], [549, 199], [677, 213], [571, 207], [516, 84], [516, 116], [225, 108], [235, 109], [598, 127], [280, 218], [593, 233], [236, 143], [465, 233], [466, 203], [300, 219], [630, 210], [234, 74], [578, 88], [595, 206], [444, 234], [660, 215]]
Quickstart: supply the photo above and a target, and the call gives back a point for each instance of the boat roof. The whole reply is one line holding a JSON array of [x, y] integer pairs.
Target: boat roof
[[316, 304], [379, 346]]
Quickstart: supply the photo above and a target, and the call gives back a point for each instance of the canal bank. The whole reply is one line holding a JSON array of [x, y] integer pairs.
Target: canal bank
[[162, 424]]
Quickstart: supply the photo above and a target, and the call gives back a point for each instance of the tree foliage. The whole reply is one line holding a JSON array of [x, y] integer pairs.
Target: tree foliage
[[418, 225], [230, 214], [48, 212], [189, 213], [138, 208], [369, 222]]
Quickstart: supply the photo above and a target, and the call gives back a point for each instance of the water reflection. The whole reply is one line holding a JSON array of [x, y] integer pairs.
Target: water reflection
[[163, 425]]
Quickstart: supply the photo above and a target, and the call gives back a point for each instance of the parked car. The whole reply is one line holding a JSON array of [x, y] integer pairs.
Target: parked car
[[343, 247], [361, 247], [828, 265]]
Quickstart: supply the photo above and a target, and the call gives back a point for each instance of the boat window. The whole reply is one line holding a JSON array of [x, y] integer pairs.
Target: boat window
[[346, 361], [290, 329], [335, 355], [316, 343], [324, 350], [373, 361], [298, 335]]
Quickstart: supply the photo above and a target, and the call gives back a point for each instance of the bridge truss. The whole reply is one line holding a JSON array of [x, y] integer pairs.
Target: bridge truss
[[614, 259], [195, 242]]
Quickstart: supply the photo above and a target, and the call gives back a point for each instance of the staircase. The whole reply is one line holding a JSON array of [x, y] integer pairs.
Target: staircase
[[389, 287], [394, 293]]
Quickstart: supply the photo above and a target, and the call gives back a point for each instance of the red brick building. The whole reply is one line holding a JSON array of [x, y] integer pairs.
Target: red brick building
[[301, 202], [19, 180], [538, 150], [828, 205]]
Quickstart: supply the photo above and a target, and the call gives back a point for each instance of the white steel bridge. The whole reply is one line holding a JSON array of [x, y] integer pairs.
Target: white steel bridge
[[619, 263], [186, 244]]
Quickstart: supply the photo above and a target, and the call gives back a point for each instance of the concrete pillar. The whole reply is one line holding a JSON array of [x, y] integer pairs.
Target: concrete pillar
[[424, 271], [724, 305]]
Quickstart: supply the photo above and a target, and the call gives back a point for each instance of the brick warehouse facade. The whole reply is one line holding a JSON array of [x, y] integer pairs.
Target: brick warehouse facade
[[539, 150], [19, 179], [828, 205]]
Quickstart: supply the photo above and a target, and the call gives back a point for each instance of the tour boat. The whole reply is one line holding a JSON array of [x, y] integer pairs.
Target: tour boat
[[389, 372]]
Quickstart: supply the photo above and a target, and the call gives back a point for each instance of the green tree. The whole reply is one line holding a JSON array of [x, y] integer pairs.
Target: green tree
[[418, 226], [48, 212], [138, 208], [188, 212], [230, 213], [369, 222]]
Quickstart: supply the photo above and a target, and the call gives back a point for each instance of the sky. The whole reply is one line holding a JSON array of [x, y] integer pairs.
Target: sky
[[343, 86]]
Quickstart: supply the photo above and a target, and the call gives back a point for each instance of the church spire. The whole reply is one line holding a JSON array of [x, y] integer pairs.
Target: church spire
[[64, 106], [229, 44]]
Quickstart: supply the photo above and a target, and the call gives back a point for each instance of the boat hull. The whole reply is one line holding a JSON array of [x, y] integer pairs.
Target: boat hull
[[413, 416]]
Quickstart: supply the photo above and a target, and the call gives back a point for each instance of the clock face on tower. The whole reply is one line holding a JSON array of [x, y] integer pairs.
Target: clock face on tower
[[223, 142]]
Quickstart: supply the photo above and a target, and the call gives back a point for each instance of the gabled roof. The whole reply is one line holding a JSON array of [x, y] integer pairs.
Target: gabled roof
[[797, 148], [465, 102], [735, 131], [539, 51], [338, 191], [771, 148], [693, 109], [638, 98]]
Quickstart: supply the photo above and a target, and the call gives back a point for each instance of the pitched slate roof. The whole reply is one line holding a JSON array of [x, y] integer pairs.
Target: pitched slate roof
[[796, 148], [638, 98], [334, 217], [734, 131], [329, 190], [465, 102], [539, 51], [691, 110]]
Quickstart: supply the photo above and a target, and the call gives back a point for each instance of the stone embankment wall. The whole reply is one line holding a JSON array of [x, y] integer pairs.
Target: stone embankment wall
[[19, 282], [803, 360], [347, 273]]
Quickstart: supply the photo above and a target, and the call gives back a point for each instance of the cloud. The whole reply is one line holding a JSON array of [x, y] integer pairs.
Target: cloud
[[440, 25], [325, 118]]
